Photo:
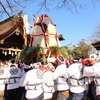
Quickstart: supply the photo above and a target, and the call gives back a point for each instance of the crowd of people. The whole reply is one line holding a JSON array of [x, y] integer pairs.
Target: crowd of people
[[75, 79]]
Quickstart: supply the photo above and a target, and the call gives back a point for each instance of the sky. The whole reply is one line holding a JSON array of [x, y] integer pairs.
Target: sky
[[73, 26]]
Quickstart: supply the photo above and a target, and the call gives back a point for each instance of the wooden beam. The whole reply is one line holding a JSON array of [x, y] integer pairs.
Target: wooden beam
[[12, 49]]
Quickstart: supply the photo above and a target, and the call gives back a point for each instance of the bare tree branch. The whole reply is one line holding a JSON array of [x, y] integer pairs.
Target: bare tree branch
[[43, 4], [18, 4], [13, 6], [9, 5], [95, 36], [4, 9]]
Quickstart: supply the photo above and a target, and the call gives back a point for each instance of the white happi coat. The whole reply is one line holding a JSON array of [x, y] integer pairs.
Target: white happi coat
[[48, 85], [33, 83], [95, 72], [60, 76], [3, 78], [13, 77], [78, 83]]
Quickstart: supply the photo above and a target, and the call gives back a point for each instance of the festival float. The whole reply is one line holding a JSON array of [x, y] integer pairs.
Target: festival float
[[44, 42]]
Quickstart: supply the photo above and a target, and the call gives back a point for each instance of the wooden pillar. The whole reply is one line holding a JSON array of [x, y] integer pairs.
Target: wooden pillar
[[25, 37], [25, 19]]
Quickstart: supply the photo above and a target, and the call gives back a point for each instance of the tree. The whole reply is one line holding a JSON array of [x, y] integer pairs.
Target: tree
[[11, 7], [95, 36], [83, 48]]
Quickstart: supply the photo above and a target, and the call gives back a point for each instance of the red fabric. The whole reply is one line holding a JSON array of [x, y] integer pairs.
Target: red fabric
[[70, 62], [88, 62], [92, 83], [44, 34], [55, 62], [20, 66], [97, 95], [52, 34], [47, 50], [42, 18], [67, 62], [42, 68], [82, 61], [37, 35], [53, 24]]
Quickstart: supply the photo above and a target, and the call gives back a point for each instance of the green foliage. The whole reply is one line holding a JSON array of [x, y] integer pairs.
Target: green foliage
[[83, 48], [64, 50], [25, 53]]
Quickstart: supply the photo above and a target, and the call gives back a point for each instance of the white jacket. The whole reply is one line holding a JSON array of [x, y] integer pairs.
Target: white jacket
[[33, 83], [78, 82], [13, 77], [60, 76], [94, 71], [48, 85], [3, 78]]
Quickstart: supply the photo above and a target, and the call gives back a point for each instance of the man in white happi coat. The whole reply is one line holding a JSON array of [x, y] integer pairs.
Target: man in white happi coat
[[14, 92], [49, 83], [94, 71], [33, 82], [60, 76], [78, 83], [3, 78]]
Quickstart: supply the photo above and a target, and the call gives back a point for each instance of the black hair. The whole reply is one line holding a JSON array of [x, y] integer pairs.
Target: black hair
[[75, 56], [12, 61], [26, 62]]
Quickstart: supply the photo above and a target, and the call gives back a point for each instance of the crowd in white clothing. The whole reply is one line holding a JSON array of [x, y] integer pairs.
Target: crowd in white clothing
[[37, 82]]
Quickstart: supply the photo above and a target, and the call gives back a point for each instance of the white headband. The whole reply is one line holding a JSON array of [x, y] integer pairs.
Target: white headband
[[60, 60]]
